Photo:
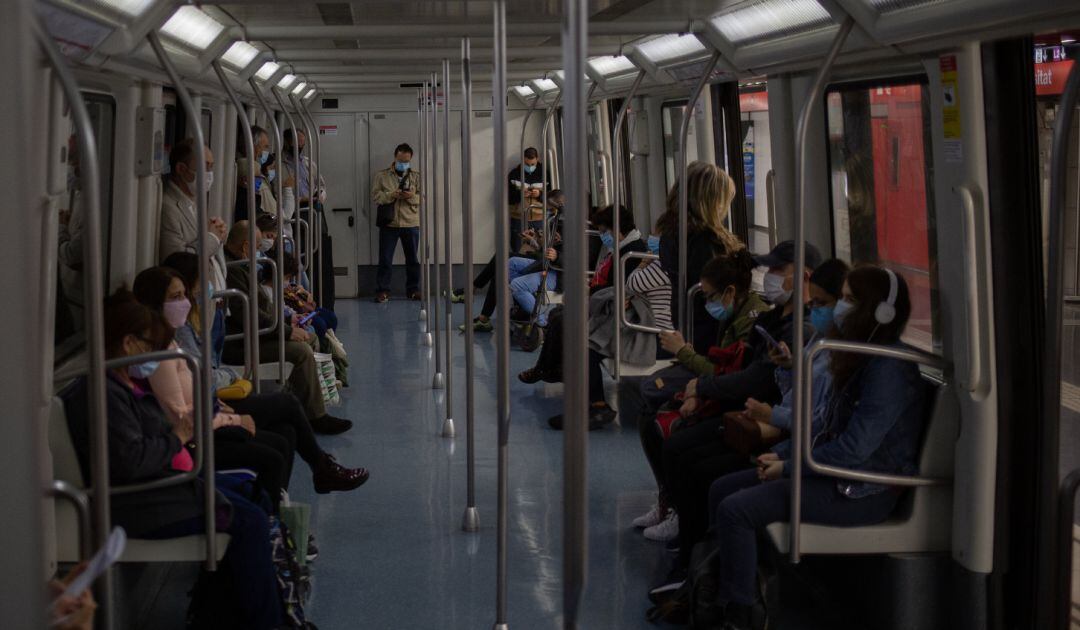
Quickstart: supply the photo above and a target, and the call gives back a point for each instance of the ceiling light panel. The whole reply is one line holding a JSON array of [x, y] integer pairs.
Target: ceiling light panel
[[522, 91], [890, 6], [310, 93], [286, 81], [193, 27], [299, 88], [240, 55], [546, 85], [668, 48], [130, 8], [772, 19], [610, 65], [267, 70]]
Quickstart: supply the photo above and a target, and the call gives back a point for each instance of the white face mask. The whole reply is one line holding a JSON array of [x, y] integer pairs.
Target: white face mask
[[209, 180], [774, 289], [266, 244]]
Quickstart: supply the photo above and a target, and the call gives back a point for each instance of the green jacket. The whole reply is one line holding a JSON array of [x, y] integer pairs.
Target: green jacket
[[737, 328]]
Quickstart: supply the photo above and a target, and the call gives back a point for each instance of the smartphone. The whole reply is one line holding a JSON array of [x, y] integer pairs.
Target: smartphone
[[768, 338], [305, 319]]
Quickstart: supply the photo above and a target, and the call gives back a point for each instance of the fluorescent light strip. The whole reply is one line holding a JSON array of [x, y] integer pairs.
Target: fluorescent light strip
[[310, 93], [890, 6], [286, 81], [193, 27], [546, 85], [671, 47], [132, 8], [299, 88], [267, 70], [771, 19], [240, 55], [522, 91], [609, 65]]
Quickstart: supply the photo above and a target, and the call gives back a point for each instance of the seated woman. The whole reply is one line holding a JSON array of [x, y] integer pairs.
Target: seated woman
[[280, 412], [143, 445], [873, 422], [689, 475], [303, 306]]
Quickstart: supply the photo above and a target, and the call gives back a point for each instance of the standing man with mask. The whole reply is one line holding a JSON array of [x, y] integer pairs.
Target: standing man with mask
[[299, 173], [261, 140], [398, 186], [525, 195]]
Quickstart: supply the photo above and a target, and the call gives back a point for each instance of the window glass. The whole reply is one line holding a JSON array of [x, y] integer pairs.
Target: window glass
[[672, 115], [757, 163], [882, 207], [70, 312]]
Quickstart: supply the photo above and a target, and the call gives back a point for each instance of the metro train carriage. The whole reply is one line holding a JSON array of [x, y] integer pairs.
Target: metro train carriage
[[727, 315]]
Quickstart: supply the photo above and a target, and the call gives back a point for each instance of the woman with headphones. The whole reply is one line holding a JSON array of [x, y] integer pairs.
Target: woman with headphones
[[873, 421]]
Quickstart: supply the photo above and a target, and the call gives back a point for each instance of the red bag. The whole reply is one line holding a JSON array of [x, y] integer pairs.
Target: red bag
[[671, 421], [728, 359]]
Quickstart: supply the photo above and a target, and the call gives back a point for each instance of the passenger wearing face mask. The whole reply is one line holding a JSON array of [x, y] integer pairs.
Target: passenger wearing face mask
[[144, 446], [525, 194], [268, 204], [873, 421], [261, 139], [399, 184]]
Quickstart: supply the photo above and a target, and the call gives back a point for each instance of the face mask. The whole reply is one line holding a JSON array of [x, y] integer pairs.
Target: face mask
[[209, 180], [266, 244], [530, 168], [176, 312], [717, 310], [142, 370], [401, 167], [774, 289], [270, 175], [258, 183], [654, 244], [822, 318], [263, 157], [608, 240], [841, 311]]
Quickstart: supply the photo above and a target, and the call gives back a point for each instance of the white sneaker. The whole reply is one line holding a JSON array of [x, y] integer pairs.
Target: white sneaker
[[650, 518], [666, 530]]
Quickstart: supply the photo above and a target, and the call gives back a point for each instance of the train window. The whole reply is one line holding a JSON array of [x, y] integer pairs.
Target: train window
[[672, 114], [757, 164], [882, 207], [68, 332]]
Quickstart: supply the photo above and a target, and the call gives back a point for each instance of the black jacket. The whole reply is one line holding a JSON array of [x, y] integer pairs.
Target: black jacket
[[534, 177], [703, 247], [141, 447]]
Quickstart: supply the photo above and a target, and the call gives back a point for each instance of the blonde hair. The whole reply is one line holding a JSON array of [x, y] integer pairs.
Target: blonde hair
[[710, 193]]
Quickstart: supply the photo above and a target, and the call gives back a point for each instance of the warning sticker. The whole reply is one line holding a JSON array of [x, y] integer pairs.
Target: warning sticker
[[951, 123], [327, 130]]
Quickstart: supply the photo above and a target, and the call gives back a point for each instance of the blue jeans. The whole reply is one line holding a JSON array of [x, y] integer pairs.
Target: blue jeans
[[524, 287], [740, 505], [388, 240]]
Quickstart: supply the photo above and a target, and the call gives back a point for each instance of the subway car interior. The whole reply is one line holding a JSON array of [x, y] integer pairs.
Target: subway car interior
[[726, 314]]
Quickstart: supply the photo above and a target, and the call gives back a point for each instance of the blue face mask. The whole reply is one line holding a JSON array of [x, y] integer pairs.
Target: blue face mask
[[530, 168], [401, 167], [840, 312], [822, 318], [258, 183], [608, 240], [270, 175], [142, 370], [263, 157], [717, 310], [654, 244]]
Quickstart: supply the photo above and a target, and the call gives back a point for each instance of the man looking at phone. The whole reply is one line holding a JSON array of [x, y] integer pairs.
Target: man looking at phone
[[525, 197], [398, 186]]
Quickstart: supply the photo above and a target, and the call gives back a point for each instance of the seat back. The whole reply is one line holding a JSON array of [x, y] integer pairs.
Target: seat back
[[65, 462]]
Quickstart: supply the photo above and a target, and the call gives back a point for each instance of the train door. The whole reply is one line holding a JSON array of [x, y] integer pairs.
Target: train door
[[344, 168]]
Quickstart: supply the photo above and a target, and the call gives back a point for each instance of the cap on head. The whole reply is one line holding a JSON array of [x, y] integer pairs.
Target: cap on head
[[784, 254]]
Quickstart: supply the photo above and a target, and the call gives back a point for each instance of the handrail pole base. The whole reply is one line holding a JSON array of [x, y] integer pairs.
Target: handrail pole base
[[470, 522], [438, 382], [448, 428]]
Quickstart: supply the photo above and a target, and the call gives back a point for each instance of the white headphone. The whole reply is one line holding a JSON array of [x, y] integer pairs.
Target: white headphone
[[886, 311]]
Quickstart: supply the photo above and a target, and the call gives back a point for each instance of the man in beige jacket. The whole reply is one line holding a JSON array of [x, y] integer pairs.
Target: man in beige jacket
[[398, 185]]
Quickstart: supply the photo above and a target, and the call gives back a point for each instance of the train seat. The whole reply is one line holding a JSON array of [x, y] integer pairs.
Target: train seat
[[267, 371], [65, 466], [922, 520], [637, 370], [554, 298]]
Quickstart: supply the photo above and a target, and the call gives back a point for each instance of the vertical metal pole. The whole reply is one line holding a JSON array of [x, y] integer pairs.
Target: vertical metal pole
[[575, 31], [470, 522], [280, 221], [616, 258], [421, 125], [1049, 557], [203, 250], [437, 382], [798, 406], [427, 215], [252, 339], [310, 227], [681, 153], [314, 176], [296, 179], [94, 297], [502, 331], [448, 422]]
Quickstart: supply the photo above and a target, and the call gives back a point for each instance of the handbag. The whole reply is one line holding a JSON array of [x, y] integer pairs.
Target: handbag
[[728, 359], [746, 436], [237, 390], [384, 212]]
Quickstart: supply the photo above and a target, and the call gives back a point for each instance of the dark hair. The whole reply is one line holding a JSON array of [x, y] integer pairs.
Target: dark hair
[[403, 148], [605, 217], [830, 275], [531, 153], [257, 131], [290, 268], [124, 315], [287, 136], [870, 286], [733, 269], [181, 153], [152, 284], [266, 222], [557, 196], [186, 265]]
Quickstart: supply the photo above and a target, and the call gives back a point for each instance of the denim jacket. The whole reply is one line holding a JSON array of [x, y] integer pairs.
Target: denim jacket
[[781, 414], [875, 423]]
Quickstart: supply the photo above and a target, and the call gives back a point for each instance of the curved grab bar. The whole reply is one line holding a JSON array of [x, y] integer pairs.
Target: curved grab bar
[[622, 311], [297, 249], [246, 306], [691, 293], [971, 290], [81, 501]]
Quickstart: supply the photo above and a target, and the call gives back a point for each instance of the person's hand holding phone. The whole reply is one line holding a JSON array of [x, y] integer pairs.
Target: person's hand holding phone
[[780, 355], [758, 411], [672, 341]]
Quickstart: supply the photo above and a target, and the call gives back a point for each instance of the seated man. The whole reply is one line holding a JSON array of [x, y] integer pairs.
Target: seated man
[[304, 379]]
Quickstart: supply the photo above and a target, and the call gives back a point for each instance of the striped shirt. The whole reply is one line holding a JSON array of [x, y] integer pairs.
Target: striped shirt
[[654, 285]]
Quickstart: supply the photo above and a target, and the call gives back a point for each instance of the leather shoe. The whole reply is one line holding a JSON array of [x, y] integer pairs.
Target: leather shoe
[[329, 425]]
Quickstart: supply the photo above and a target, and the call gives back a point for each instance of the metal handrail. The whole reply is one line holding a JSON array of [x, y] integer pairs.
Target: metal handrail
[[770, 206], [425, 292], [684, 227], [202, 219], [246, 308], [251, 317], [279, 299], [971, 290], [297, 249], [437, 381], [691, 293], [619, 281], [81, 501], [448, 310], [470, 521], [622, 311], [94, 297], [817, 89], [317, 205], [312, 191], [280, 262], [302, 237]]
